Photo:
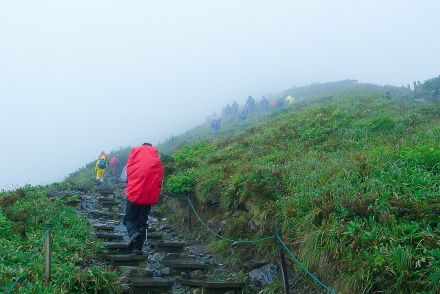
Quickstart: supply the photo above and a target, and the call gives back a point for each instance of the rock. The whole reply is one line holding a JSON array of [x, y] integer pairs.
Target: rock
[[166, 271], [236, 213], [197, 274], [252, 226], [184, 275], [264, 275], [156, 257], [133, 272]]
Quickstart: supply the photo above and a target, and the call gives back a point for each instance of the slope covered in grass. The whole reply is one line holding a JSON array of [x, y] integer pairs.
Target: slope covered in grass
[[23, 216], [353, 182]]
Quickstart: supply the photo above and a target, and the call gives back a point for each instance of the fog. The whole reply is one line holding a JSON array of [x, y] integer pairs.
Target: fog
[[79, 77]]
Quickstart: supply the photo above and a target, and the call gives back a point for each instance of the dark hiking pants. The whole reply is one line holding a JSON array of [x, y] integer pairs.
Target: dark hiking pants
[[135, 220]]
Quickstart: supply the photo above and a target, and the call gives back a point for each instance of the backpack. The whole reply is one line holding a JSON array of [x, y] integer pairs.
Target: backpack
[[102, 163]]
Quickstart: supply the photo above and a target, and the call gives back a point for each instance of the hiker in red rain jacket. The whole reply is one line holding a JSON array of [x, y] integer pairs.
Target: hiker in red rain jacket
[[114, 161], [144, 175]]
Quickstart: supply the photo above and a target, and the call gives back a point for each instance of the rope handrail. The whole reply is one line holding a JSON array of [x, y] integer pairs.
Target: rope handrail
[[275, 237], [235, 241], [302, 266], [33, 256]]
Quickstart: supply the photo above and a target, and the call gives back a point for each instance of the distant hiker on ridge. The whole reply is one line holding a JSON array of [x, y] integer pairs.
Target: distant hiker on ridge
[[144, 175], [114, 161], [215, 124], [100, 168]]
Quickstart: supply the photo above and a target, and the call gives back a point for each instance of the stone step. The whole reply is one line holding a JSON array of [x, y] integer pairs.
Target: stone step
[[109, 236], [149, 285], [105, 206], [104, 227], [213, 287], [184, 265], [167, 245], [154, 235], [101, 214], [107, 201], [105, 196], [127, 259], [115, 210], [105, 192], [176, 256], [117, 247]]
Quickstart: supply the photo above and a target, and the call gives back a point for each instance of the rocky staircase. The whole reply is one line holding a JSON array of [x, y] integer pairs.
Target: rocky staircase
[[180, 272]]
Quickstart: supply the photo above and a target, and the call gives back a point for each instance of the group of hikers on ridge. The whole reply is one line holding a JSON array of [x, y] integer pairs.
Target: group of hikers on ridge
[[241, 113], [144, 175]]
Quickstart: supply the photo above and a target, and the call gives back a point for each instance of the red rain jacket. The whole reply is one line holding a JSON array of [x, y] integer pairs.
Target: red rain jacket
[[144, 174], [114, 160]]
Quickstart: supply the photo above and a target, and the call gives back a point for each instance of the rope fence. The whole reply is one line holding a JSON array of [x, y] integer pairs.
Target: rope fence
[[276, 237]]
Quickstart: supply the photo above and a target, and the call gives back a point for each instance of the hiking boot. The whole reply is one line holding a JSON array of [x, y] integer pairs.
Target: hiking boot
[[133, 239], [137, 251]]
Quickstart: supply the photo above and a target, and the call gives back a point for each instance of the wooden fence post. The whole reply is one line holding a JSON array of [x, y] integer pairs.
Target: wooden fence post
[[48, 254], [189, 212], [283, 266]]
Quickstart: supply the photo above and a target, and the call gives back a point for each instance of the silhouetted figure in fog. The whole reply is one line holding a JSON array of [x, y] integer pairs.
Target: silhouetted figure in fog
[[226, 111], [234, 108], [114, 161], [215, 124], [264, 104], [249, 107], [279, 102]]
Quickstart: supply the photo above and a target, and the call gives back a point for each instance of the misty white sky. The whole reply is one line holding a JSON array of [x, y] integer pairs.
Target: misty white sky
[[78, 77]]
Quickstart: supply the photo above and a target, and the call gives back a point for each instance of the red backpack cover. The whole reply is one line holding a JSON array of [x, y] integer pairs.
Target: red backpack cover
[[144, 174]]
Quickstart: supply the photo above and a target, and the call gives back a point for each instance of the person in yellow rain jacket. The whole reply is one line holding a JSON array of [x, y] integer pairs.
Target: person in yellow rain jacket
[[290, 100], [100, 168]]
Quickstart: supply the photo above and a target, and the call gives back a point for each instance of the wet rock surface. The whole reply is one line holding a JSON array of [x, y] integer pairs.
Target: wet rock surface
[[264, 275]]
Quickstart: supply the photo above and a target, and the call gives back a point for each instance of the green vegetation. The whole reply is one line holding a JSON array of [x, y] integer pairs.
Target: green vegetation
[[429, 90], [23, 216], [353, 181]]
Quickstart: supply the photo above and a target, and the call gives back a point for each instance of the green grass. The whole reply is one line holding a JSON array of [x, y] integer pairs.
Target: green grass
[[22, 228], [354, 183]]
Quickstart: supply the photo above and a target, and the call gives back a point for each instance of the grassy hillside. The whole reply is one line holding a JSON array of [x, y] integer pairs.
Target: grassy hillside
[[354, 182], [23, 216]]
